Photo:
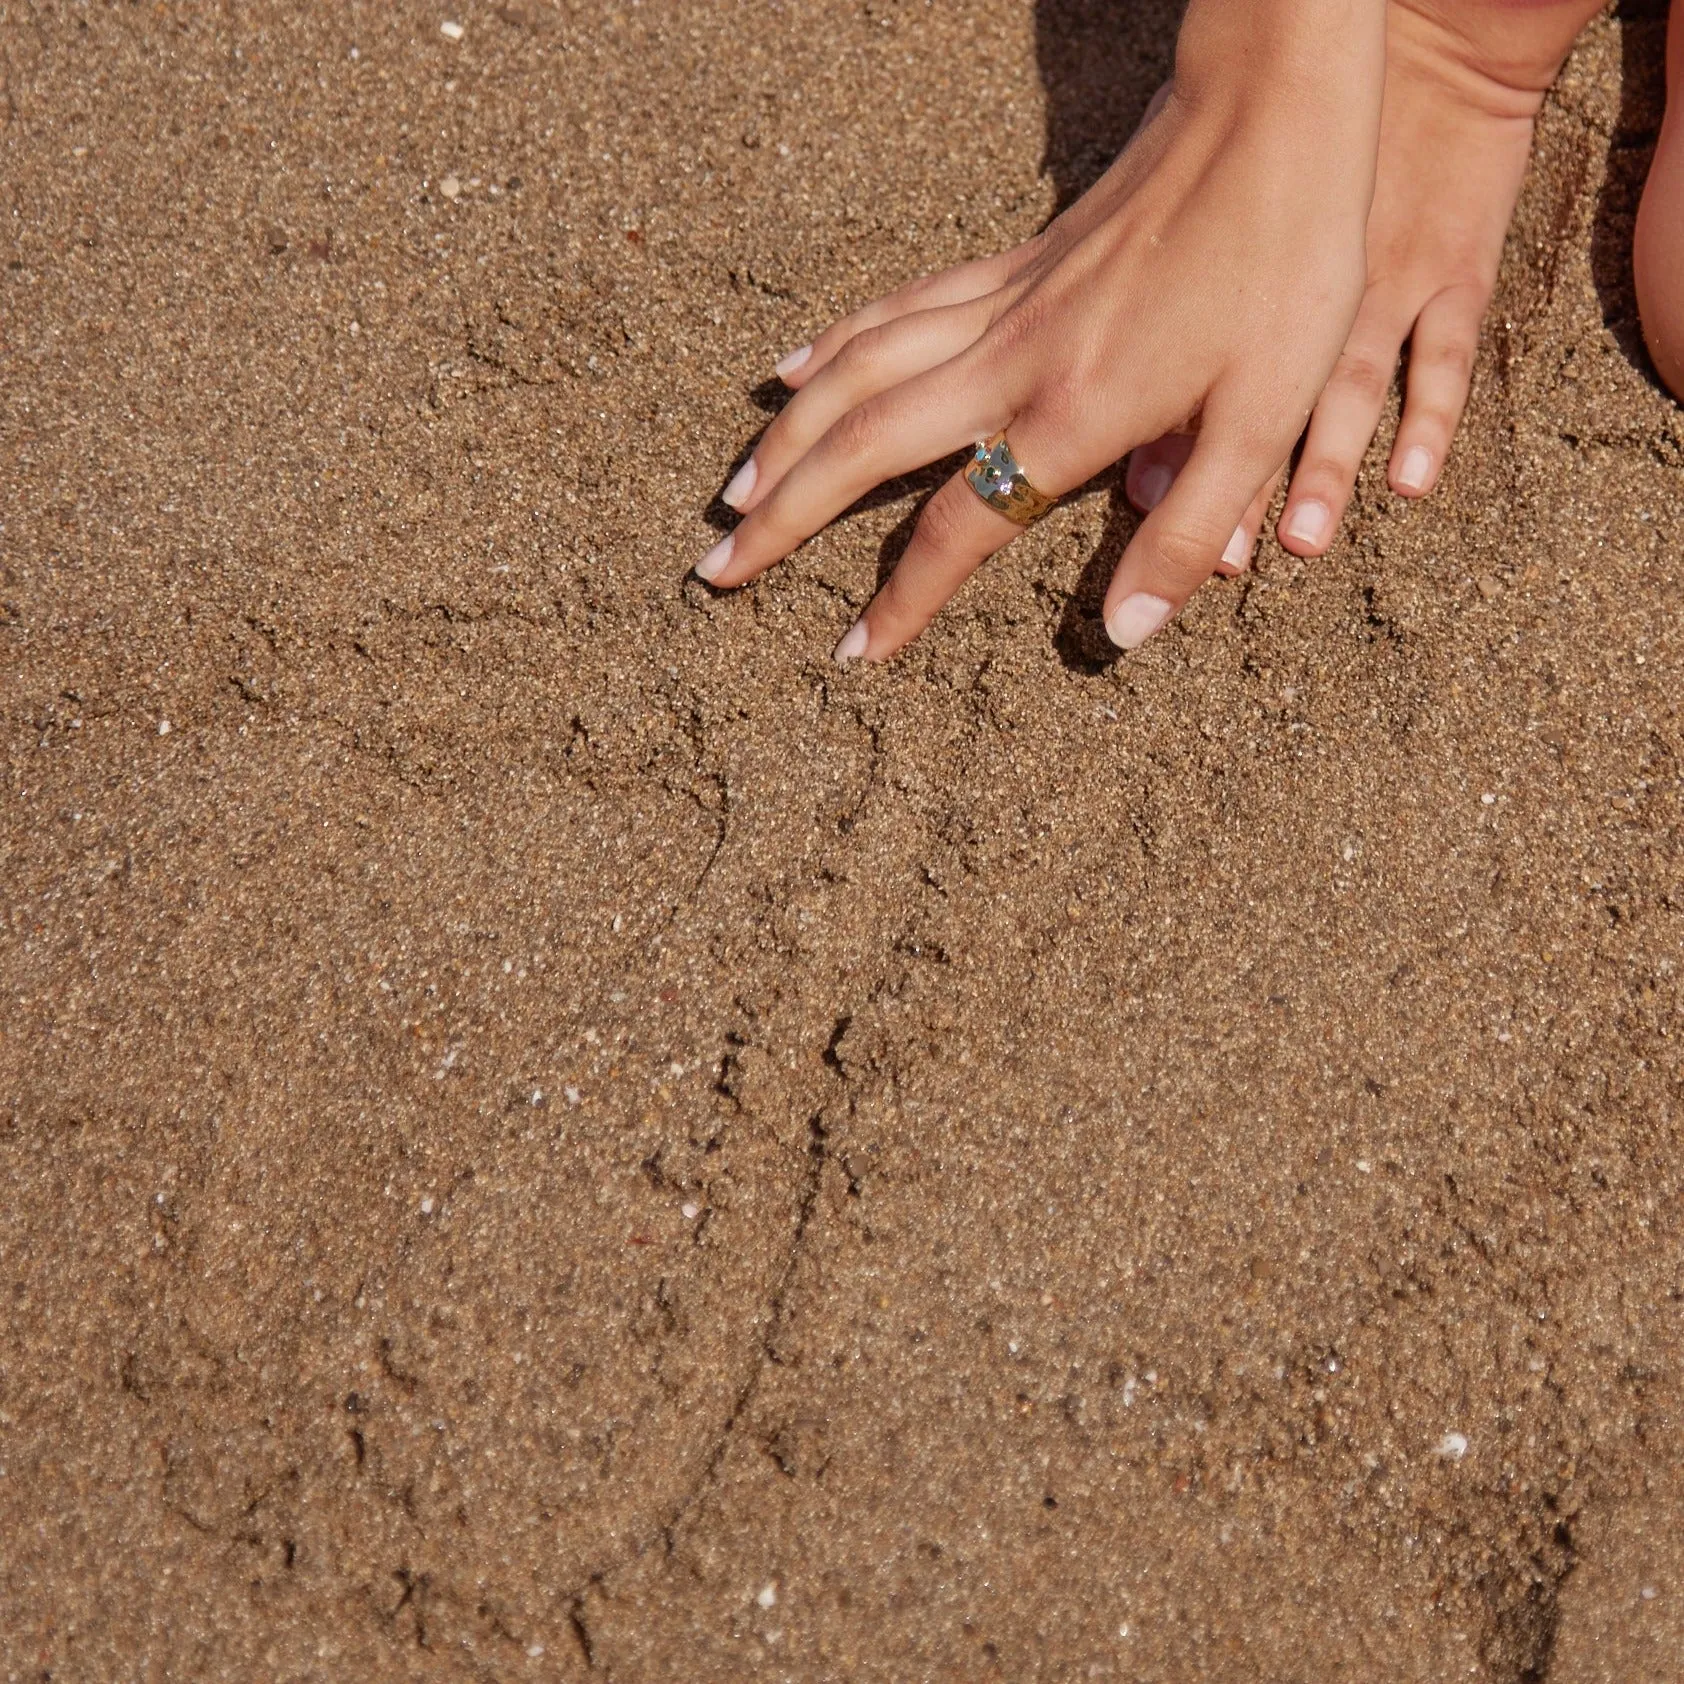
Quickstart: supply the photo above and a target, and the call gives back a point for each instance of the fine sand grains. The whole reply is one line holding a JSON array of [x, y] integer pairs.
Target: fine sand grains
[[548, 1131]]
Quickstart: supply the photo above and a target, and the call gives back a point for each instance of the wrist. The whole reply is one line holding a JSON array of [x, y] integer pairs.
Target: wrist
[[1328, 57]]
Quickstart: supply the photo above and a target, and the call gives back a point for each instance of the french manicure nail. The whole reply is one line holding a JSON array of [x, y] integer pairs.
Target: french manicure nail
[[787, 366], [1309, 522], [1153, 485], [717, 559], [1135, 618], [742, 483], [1238, 552], [853, 645], [1412, 471]]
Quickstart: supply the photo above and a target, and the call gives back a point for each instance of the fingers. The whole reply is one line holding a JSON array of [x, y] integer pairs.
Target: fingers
[[871, 362], [1341, 431], [912, 424], [929, 292], [1236, 558], [1441, 359], [958, 531], [1153, 469], [955, 534], [1201, 520]]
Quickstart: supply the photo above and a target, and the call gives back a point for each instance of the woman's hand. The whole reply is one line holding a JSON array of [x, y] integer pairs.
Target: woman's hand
[[1462, 93], [1209, 279]]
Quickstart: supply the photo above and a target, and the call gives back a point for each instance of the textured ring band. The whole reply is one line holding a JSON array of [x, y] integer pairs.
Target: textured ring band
[[997, 477]]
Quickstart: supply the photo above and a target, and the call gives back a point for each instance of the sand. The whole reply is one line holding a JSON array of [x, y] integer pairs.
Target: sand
[[547, 1132]]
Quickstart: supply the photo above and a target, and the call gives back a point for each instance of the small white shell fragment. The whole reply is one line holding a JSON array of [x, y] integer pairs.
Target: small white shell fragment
[[163, 727], [427, 1206], [768, 1597], [1453, 1446], [690, 1212], [450, 187], [451, 31]]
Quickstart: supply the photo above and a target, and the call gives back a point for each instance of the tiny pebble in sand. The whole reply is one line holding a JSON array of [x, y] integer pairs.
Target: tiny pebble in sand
[[452, 31]]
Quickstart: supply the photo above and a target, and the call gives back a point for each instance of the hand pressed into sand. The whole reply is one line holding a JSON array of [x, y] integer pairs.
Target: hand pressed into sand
[[1054, 341], [1463, 85]]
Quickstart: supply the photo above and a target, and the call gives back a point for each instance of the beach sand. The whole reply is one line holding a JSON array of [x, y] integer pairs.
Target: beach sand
[[548, 1132]]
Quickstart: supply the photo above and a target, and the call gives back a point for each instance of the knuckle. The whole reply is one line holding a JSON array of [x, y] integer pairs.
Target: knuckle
[[1365, 375], [1012, 329], [862, 353], [1183, 557], [1454, 357], [859, 433], [941, 526]]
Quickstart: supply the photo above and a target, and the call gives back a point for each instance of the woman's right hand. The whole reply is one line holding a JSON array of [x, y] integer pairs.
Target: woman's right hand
[[1208, 280]]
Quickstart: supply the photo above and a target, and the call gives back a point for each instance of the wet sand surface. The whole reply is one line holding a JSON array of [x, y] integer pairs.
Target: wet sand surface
[[547, 1132]]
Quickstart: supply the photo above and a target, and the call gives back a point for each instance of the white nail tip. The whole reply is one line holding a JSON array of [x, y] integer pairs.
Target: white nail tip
[[1238, 552], [742, 483], [794, 361], [853, 645], [1308, 523], [1135, 618], [717, 559], [1413, 470]]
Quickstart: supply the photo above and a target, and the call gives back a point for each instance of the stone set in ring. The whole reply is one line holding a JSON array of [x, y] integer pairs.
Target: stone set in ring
[[997, 477]]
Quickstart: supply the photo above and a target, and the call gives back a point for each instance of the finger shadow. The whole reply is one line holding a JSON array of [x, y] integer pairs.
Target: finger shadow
[[1080, 639], [921, 486], [769, 397]]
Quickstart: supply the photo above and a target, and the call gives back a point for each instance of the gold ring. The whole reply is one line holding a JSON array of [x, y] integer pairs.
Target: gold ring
[[997, 477]]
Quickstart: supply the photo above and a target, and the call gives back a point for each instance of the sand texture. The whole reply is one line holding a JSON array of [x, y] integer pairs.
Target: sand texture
[[548, 1133]]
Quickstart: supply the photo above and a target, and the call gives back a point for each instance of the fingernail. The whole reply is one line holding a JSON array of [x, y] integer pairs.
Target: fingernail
[[1135, 618], [717, 559], [1153, 485], [1412, 471], [742, 483], [1309, 522], [1238, 552], [795, 360], [853, 645]]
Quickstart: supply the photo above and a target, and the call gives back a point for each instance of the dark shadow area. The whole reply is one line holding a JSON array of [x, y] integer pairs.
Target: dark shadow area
[[1080, 638], [1100, 64], [1638, 127]]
